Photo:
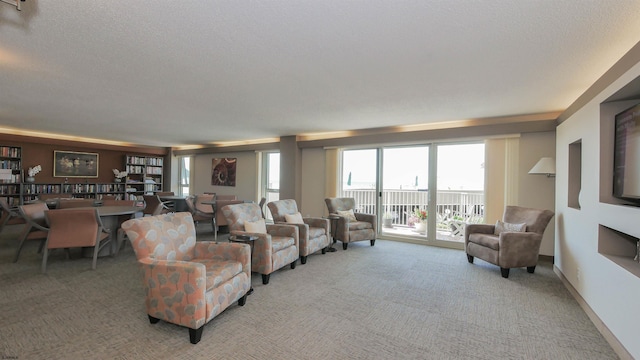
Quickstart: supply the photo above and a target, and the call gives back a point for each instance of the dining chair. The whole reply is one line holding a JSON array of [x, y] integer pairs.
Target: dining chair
[[36, 225], [153, 206], [202, 212], [9, 216], [70, 228]]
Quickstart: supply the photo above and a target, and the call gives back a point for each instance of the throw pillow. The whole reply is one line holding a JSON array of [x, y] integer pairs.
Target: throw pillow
[[509, 227], [348, 214], [258, 227], [294, 218]]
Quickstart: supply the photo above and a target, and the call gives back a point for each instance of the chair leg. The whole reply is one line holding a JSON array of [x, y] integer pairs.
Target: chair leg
[[95, 255], [195, 334], [243, 300], [505, 272], [531, 269], [293, 264], [265, 279], [324, 250], [373, 242], [44, 260], [153, 320], [345, 245], [24, 239], [470, 259], [303, 260]]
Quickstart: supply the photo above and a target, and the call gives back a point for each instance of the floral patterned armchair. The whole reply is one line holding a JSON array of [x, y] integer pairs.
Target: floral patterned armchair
[[186, 282], [276, 246], [314, 232], [351, 225]]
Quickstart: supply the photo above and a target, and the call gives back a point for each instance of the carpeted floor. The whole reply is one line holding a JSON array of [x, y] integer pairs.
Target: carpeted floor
[[391, 301]]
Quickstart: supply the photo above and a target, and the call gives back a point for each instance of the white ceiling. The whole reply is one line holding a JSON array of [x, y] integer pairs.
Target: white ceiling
[[171, 73]]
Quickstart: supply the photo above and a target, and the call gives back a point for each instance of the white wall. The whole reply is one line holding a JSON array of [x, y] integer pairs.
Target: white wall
[[610, 290], [313, 182], [537, 191]]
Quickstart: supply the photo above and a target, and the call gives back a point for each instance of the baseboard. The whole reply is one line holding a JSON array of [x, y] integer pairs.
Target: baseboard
[[618, 348], [546, 258]]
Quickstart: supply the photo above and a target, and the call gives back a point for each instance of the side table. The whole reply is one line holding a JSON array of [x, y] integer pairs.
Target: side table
[[334, 224], [245, 239]]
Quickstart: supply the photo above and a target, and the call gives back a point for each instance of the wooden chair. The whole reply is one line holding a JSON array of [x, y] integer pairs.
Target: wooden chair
[[153, 206], [70, 228], [9, 216], [36, 227], [202, 213]]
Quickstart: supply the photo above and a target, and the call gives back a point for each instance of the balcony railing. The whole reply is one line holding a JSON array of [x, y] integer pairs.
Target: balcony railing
[[453, 207]]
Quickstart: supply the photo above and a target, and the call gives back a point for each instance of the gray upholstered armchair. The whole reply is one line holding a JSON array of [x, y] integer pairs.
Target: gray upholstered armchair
[[314, 232], [349, 228], [511, 243]]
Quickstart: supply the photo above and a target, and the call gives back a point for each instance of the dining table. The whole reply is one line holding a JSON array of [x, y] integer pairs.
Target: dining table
[[109, 215]]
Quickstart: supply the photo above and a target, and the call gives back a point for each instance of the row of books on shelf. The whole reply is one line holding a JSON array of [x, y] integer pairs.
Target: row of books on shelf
[[10, 164], [10, 151], [14, 179], [136, 169], [141, 160]]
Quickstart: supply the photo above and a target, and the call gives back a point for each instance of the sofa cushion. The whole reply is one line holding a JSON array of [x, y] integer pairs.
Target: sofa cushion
[[258, 227], [315, 232], [348, 214], [294, 218], [509, 227], [487, 240], [281, 242]]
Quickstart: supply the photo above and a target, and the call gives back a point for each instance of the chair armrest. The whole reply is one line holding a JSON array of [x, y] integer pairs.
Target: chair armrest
[[285, 230], [225, 251], [262, 245], [317, 223], [370, 218], [519, 248], [477, 229], [167, 284]]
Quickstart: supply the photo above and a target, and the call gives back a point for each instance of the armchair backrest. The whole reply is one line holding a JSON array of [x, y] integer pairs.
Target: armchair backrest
[[342, 204], [281, 208], [169, 236], [237, 214], [536, 219], [72, 227]]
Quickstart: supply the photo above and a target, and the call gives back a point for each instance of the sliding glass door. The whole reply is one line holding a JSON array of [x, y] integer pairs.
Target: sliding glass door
[[424, 192]]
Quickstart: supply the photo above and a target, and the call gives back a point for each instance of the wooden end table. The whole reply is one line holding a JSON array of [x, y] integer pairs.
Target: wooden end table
[[249, 240]]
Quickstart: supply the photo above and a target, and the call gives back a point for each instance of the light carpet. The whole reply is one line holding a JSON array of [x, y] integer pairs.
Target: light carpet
[[391, 301]]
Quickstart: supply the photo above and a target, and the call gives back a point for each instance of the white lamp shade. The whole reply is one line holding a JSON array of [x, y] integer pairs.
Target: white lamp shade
[[545, 166]]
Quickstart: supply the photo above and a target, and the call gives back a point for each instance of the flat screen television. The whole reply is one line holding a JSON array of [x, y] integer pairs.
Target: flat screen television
[[626, 160]]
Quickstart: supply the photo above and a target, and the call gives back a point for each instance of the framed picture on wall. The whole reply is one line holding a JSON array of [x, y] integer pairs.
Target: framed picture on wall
[[75, 164], [223, 172]]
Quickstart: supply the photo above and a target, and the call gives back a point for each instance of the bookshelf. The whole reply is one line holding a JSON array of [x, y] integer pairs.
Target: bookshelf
[[84, 190], [11, 174], [144, 174]]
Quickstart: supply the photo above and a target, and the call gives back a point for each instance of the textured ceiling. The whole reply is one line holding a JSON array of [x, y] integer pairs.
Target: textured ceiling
[[171, 73]]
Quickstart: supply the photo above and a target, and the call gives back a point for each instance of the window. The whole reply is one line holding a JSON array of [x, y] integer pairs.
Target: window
[[184, 167], [270, 178]]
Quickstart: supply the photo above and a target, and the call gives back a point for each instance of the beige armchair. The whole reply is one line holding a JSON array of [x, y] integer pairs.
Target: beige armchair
[[357, 227], [512, 243], [314, 232], [276, 245]]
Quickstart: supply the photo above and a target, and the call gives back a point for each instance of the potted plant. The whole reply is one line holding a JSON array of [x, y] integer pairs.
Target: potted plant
[[119, 174], [32, 172], [387, 219], [420, 219]]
